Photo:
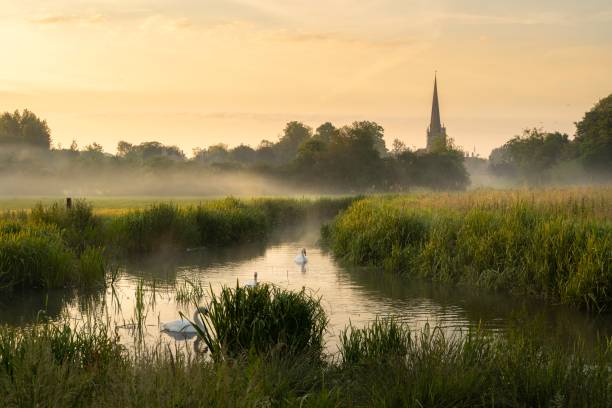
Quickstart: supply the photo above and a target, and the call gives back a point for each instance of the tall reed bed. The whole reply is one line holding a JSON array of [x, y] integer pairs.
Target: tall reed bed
[[213, 223], [384, 364], [546, 248], [52, 246], [37, 256]]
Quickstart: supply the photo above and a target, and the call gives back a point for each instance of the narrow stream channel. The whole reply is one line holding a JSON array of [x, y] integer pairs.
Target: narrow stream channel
[[349, 295]]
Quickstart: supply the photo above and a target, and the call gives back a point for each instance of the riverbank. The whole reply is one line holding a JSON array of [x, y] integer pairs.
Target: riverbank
[[552, 244], [53, 246], [384, 364]]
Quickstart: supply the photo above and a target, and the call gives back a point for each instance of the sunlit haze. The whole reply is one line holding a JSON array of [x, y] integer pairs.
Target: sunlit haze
[[195, 73]]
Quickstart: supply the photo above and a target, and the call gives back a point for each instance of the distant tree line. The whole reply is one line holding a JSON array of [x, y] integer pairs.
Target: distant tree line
[[349, 158], [537, 156]]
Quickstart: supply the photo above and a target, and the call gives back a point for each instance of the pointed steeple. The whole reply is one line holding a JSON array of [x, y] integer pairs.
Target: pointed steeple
[[435, 127], [435, 131]]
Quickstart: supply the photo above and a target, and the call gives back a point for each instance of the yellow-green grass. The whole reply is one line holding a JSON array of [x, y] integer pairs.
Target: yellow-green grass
[[117, 205], [551, 243], [382, 365]]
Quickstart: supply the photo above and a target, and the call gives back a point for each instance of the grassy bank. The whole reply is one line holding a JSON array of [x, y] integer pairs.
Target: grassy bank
[[553, 244], [51, 246], [384, 364]]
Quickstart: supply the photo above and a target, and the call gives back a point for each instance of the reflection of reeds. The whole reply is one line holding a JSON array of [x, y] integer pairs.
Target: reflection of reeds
[[140, 312]]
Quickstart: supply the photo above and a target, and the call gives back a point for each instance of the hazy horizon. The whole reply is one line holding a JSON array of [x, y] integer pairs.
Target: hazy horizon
[[193, 74]]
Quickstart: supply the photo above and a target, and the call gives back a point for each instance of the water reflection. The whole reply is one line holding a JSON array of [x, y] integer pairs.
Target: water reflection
[[145, 295]]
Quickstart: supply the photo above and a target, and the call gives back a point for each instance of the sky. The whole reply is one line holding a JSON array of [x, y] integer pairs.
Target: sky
[[194, 73]]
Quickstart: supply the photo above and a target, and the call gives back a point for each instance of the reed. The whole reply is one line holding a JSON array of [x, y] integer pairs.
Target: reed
[[36, 256], [55, 364], [554, 249], [262, 319]]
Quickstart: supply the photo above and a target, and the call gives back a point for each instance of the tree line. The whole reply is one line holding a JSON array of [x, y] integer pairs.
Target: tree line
[[537, 157], [350, 158]]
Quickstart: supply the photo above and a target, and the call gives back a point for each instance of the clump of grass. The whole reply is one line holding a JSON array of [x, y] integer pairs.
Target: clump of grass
[[36, 256], [263, 319], [516, 246], [381, 340], [80, 227], [154, 228]]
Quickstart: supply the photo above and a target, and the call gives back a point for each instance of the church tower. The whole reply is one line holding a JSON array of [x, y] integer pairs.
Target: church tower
[[436, 130]]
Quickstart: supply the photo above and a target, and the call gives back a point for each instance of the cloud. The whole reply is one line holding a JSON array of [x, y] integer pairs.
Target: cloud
[[69, 19], [315, 37]]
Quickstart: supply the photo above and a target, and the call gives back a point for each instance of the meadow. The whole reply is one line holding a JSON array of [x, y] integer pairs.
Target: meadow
[[555, 244]]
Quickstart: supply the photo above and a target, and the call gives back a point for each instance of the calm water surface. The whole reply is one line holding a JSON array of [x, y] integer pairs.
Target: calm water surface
[[349, 295]]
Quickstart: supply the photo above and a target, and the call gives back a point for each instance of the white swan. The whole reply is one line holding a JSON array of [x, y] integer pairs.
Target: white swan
[[301, 258], [184, 326], [251, 283]]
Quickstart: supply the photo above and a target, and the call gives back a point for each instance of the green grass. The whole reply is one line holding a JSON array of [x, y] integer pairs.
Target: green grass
[[558, 250], [37, 256], [53, 364], [263, 319], [51, 246]]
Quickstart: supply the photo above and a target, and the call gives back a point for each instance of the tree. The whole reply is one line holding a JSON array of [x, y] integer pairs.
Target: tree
[[243, 154], [372, 131], [326, 132], [594, 137], [294, 135], [124, 148], [24, 129], [534, 153], [398, 147]]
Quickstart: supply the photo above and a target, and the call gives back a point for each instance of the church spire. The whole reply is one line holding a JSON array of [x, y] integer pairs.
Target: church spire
[[435, 130], [435, 126]]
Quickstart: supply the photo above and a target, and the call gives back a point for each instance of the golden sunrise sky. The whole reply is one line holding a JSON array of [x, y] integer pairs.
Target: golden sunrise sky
[[195, 73]]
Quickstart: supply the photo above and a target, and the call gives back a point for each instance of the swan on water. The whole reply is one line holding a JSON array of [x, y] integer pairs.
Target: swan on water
[[251, 283], [185, 326], [301, 258]]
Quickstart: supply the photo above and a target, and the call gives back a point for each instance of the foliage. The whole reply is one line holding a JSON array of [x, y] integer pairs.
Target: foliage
[[532, 155], [57, 365], [594, 137], [37, 256], [556, 250], [24, 129], [262, 319]]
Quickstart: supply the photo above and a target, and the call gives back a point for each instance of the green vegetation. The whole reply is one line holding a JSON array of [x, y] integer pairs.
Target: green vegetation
[[350, 158], [37, 256], [263, 319], [385, 364], [557, 245], [539, 157], [52, 246]]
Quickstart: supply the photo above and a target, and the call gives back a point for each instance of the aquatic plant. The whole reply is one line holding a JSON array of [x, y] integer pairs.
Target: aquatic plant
[[547, 249], [263, 318], [384, 338], [56, 364], [189, 293]]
